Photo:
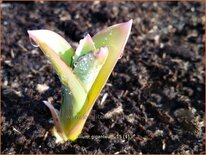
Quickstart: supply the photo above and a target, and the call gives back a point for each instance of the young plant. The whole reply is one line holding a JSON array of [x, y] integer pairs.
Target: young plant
[[83, 73]]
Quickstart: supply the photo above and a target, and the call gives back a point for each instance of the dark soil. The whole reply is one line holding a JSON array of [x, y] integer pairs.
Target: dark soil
[[155, 95]]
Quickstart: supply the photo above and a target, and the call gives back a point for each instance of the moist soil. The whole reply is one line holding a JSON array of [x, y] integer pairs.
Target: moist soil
[[154, 96]]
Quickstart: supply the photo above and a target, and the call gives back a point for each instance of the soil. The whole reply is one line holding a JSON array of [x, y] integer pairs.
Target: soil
[[154, 97]]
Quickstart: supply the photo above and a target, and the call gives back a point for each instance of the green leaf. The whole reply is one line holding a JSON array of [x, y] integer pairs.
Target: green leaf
[[115, 38], [91, 70], [87, 69], [54, 41], [70, 81]]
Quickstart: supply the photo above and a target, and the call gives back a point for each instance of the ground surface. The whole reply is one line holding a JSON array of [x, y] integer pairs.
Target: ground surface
[[155, 95]]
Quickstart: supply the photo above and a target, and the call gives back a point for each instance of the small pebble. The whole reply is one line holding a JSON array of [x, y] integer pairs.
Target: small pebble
[[41, 88]]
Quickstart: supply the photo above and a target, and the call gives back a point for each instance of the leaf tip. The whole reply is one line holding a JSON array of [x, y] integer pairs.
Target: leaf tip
[[130, 21], [128, 25], [102, 54], [88, 37], [31, 34]]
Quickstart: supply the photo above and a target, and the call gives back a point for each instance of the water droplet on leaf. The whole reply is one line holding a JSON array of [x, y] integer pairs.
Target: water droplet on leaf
[[68, 91], [33, 43], [82, 63]]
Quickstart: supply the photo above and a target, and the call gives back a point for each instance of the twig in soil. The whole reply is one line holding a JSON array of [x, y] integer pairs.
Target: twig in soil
[[22, 47], [12, 53], [109, 84], [115, 111], [45, 136], [125, 93], [15, 130], [104, 98]]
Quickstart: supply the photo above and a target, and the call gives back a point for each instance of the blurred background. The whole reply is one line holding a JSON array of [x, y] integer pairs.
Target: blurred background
[[153, 101]]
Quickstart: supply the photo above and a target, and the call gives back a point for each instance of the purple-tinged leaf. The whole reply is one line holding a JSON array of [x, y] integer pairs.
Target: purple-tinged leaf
[[55, 116], [55, 42], [86, 45]]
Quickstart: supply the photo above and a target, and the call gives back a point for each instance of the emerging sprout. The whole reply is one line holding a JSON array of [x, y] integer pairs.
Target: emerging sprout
[[83, 73]]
